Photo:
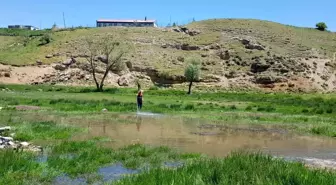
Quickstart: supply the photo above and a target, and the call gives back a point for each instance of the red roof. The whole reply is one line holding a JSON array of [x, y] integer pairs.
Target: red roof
[[121, 21]]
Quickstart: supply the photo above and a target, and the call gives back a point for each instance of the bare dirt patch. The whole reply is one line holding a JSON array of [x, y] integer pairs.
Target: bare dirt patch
[[26, 107]]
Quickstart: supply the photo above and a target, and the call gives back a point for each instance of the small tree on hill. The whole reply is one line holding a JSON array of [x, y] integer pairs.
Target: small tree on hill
[[192, 72], [321, 26], [108, 51]]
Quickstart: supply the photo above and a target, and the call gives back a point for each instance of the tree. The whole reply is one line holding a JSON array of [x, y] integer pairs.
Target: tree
[[174, 24], [321, 26], [105, 50], [192, 72], [138, 84]]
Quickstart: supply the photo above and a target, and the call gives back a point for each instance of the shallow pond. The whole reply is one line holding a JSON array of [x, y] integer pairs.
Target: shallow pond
[[191, 135]]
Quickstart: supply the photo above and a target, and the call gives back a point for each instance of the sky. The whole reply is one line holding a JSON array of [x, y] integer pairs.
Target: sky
[[44, 13]]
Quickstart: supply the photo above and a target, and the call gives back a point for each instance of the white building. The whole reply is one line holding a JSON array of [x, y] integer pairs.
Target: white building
[[126, 23], [26, 27]]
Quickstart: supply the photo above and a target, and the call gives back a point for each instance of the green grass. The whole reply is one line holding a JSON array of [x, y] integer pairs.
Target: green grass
[[276, 102], [18, 167], [42, 131], [75, 158], [78, 158], [302, 111], [238, 168], [326, 129]]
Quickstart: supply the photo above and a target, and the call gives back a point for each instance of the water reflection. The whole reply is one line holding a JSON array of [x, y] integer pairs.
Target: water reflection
[[191, 135], [138, 123]]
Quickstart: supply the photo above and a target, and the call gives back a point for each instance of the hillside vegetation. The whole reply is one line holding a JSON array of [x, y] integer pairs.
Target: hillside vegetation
[[234, 50]]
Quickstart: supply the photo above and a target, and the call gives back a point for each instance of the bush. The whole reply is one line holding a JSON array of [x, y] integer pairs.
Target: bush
[[261, 109], [189, 107], [321, 26], [45, 39], [319, 111], [270, 108], [154, 88], [329, 110], [248, 108], [233, 107], [305, 110]]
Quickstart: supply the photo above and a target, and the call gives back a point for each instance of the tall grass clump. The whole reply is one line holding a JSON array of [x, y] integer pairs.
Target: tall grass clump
[[43, 130], [233, 107], [76, 158], [238, 168], [324, 130], [17, 167]]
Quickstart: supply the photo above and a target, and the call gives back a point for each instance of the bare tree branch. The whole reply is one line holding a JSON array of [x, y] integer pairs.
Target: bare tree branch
[[112, 53]]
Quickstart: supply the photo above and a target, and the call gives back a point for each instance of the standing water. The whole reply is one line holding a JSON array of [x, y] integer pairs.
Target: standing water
[[191, 135]]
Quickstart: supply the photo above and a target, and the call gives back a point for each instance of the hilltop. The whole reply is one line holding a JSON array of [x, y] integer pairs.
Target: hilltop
[[234, 53]]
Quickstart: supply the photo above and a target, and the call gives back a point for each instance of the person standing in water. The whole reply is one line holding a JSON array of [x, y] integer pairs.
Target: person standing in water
[[139, 99]]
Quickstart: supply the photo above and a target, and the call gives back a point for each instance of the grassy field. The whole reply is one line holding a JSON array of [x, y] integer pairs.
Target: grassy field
[[53, 127], [239, 168], [307, 113]]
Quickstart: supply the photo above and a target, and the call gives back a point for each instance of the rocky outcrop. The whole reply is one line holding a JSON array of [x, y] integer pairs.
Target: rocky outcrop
[[129, 65], [223, 54], [185, 46], [211, 79], [59, 67], [101, 58], [10, 143], [180, 58], [191, 32], [6, 74], [268, 78], [130, 79], [39, 62], [68, 62], [258, 67], [250, 43]]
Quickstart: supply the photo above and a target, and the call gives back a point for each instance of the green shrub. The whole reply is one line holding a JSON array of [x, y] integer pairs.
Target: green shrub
[[270, 108], [248, 108], [319, 111], [45, 39], [329, 110], [321, 26], [233, 107], [305, 110], [189, 107], [261, 109], [153, 88]]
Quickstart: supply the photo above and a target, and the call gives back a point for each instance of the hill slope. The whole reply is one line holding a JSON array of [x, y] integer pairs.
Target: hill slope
[[234, 52]]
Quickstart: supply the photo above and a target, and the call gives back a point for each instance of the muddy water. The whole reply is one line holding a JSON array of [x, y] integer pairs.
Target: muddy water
[[189, 135]]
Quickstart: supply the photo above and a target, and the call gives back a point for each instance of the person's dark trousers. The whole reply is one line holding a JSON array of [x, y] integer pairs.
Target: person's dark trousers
[[139, 103]]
